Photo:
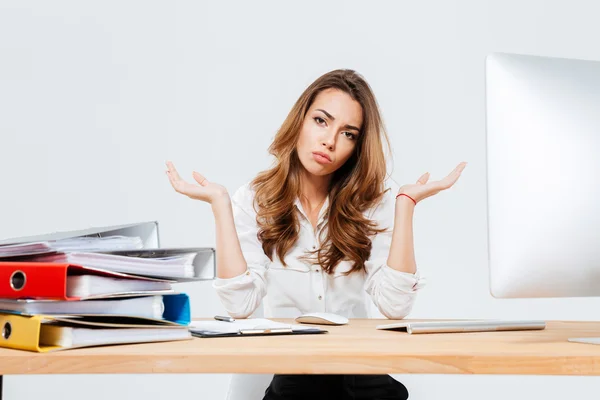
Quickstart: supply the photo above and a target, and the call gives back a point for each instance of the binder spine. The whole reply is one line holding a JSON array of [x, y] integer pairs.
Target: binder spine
[[20, 332], [19, 280]]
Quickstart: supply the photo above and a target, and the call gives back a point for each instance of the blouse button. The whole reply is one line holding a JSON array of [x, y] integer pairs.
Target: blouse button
[[316, 270], [247, 272], [320, 297], [314, 247]]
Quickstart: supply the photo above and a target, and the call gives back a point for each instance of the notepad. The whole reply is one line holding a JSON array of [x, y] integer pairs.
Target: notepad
[[249, 326]]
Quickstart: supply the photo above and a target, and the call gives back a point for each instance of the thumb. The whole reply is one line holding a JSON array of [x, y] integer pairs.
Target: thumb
[[200, 179], [423, 179]]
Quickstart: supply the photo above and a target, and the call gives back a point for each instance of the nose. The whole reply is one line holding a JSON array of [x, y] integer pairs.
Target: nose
[[328, 140]]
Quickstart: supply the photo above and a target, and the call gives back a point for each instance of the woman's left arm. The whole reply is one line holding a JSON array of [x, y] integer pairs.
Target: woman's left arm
[[402, 249], [392, 278]]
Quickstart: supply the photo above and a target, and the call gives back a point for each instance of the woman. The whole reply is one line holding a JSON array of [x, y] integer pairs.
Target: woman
[[319, 231]]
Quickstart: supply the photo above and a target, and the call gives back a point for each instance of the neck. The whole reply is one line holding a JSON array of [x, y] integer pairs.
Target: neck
[[314, 189]]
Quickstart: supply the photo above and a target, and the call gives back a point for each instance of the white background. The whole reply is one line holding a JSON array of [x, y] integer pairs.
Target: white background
[[95, 96]]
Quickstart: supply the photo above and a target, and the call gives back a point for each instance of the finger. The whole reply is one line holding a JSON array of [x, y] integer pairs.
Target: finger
[[187, 188], [460, 167], [172, 181], [453, 176], [176, 183], [447, 182], [172, 171], [200, 179], [423, 179], [457, 171], [432, 187]]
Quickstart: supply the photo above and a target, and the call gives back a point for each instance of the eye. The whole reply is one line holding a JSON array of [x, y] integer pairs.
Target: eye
[[349, 135], [319, 120]]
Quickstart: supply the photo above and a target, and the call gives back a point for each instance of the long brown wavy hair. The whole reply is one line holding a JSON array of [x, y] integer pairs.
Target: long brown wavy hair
[[355, 187]]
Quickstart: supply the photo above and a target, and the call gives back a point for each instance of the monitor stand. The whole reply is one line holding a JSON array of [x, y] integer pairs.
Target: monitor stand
[[589, 340]]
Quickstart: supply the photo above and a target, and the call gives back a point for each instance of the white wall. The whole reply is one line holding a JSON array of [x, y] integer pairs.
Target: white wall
[[95, 96]]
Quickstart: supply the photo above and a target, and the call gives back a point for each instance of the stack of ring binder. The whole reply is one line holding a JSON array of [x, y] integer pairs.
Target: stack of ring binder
[[103, 286]]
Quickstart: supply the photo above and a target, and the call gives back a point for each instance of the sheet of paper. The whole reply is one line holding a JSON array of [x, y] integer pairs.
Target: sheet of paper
[[238, 324]]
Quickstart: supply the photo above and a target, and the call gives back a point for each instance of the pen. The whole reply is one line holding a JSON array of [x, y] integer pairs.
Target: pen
[[222, 318]]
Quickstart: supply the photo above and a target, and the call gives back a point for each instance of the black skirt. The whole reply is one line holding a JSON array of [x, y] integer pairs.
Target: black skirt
[[342, 387]]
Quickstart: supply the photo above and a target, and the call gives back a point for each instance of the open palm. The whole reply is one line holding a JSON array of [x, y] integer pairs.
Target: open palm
[[423, 189], [202, 190]]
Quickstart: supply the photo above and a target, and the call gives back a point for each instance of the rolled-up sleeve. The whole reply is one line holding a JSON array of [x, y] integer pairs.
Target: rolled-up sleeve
[[242, 294], [393, 292]]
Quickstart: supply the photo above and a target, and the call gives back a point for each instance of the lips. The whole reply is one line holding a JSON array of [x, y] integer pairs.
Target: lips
[[321, 158]]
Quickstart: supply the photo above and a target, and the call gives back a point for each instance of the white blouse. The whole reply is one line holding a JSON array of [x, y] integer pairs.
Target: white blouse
[[301, 287]]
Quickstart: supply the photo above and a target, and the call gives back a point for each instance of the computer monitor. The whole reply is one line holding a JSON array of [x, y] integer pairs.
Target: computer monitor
[[543, 176]]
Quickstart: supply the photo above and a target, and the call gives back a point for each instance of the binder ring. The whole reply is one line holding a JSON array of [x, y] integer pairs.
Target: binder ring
[[6, 330], [18, 279]]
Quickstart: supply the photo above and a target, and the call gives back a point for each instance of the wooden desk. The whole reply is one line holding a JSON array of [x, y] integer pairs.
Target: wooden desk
[[356, 348]]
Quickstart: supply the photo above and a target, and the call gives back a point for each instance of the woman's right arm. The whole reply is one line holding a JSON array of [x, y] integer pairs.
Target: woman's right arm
[[241, 263], [230, 263]]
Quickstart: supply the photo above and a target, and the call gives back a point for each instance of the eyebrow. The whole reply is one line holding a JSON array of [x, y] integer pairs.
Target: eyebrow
[[331, 117]]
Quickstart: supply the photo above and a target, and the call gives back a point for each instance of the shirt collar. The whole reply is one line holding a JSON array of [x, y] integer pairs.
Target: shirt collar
[[322, 212]]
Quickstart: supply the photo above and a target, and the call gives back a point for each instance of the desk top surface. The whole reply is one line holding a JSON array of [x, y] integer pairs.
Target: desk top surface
[[356, 348]]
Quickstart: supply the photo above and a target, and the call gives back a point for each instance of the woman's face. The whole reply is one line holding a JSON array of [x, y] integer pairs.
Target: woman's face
[[329, 132]]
